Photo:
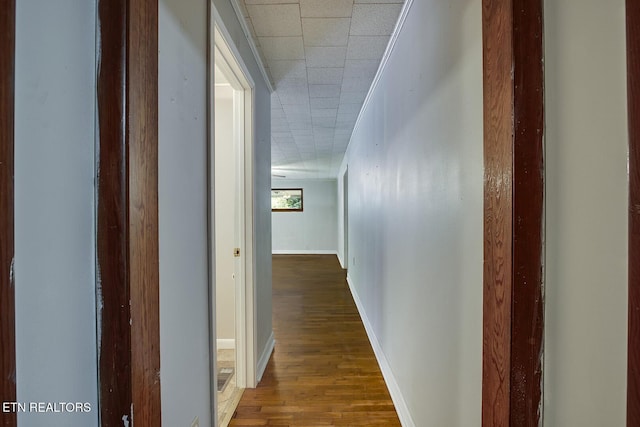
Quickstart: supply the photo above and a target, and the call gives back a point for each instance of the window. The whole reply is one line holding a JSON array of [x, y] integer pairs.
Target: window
[[286, 200]]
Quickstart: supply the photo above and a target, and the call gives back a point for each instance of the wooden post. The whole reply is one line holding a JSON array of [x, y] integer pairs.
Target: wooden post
[[513, 212], [633, 91], [127, 207], [7, 294]]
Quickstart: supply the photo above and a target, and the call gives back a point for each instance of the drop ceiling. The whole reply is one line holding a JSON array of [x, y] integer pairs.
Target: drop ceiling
[[321, 57]]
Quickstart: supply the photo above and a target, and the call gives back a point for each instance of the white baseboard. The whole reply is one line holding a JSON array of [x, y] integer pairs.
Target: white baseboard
[[265, 356], [303, 252], [226, 344], [340, 260], [394, 389]]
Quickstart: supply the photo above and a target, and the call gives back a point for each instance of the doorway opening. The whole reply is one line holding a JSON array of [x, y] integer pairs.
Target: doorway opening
[[231, 221]]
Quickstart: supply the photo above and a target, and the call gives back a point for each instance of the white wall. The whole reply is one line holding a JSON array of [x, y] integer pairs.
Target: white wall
[[184, 330], [586, 243], [54, 209], [314, 230], [416, 206], [225, 213]]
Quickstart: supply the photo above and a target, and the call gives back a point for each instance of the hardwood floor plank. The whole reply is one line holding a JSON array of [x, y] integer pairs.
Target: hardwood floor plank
[[323, 371]]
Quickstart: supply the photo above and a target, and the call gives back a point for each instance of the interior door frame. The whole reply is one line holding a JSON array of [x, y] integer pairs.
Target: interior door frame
[[633, 99], [127, 258], [7, 247], [226, 55], [513, 298]]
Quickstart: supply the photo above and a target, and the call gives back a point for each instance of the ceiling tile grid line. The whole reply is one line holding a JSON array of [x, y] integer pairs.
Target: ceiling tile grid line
[[322, 57]]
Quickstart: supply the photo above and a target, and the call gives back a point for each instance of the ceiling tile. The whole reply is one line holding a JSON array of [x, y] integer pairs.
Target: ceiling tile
[[308, 153], [349, 109], [374, 19], [345, 123], [279, 48], [326, 8], [326, 31], [321, 131], [367, 47], [304, 122], [276, 20], [324, 91], [301, 133], [294, 109], [294, 98], [289, 83], [306, 145], [338, 133], [352, 97], [323, 112], [346, 120], [360, 68], [299, 125], [281, 70], [316, 103], [324, 148], [326, 56], [355, 84], [327, 122], [326, 76]]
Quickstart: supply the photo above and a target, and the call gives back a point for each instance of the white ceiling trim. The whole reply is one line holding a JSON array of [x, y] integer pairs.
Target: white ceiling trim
[[252, 45]]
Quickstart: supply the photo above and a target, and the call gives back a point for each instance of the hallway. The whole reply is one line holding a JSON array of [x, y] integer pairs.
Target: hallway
[[323, 370]]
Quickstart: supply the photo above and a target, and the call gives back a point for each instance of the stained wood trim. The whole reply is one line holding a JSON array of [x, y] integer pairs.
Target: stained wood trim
[[7, 294], [633, 91], [513, 212], [527, 316], [127, 206]]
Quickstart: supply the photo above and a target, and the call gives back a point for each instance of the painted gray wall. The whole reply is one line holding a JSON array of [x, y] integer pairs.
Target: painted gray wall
[[182, 181], [315, 228], [586, 218], [416, 207], [184, 324], [54, 206]]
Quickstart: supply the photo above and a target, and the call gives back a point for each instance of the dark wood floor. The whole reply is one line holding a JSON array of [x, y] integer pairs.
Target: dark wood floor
[[323, 371]]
